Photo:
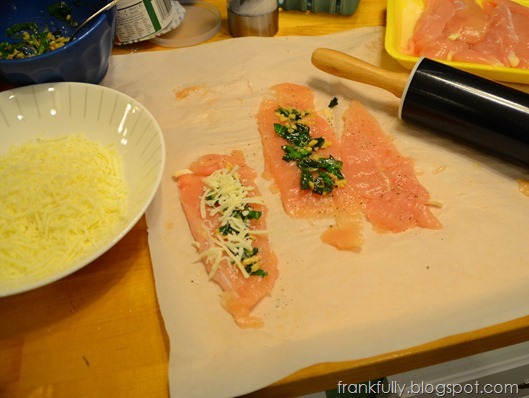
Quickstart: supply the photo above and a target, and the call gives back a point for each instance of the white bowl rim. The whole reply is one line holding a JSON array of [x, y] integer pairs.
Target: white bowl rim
[[81, 263]]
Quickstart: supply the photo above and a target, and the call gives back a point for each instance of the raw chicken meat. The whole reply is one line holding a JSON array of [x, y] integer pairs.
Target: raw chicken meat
[[495, 34], [383, 180], [299, 203], [242, 288], [379, 182]]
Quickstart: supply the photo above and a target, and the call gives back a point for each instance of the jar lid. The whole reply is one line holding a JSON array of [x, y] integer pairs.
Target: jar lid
[[202, 21]]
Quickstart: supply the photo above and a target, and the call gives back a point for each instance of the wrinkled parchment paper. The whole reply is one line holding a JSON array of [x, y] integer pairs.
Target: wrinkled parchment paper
[[401, 290]]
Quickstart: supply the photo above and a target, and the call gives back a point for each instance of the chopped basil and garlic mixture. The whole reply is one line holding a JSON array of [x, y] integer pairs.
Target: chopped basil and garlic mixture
[[226, 198], [26, 39], [29, 41], [319, 174]]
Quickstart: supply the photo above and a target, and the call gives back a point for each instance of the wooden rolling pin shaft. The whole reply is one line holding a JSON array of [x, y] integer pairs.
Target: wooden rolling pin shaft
[[343, 65]]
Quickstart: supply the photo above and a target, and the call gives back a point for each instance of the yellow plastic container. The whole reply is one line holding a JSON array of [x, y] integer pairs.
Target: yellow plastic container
[[402, 16]]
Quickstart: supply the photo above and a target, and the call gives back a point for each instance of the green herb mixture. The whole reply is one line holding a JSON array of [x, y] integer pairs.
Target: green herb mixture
[[27, 40], [319, 174]]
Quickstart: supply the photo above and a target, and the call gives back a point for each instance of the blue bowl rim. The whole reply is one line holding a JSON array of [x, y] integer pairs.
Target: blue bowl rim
[[93, 26]]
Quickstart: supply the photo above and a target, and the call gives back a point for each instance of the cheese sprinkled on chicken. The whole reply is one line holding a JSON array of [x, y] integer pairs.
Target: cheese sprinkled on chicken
[[229, 201]]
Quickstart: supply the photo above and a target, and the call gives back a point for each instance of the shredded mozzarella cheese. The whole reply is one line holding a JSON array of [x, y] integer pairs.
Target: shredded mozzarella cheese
[[60, 197], [224, 195]]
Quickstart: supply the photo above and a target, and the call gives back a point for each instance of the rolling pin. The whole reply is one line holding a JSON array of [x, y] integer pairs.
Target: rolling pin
[[481, 113]]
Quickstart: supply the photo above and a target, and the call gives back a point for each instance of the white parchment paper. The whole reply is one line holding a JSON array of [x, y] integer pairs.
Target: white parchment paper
[[401, 290]]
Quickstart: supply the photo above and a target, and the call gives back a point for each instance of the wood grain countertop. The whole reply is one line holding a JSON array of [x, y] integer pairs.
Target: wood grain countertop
[[99, 332]]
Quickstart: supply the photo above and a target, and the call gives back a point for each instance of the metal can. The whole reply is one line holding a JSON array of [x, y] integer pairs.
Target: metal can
[[253, 17], [139, 20]]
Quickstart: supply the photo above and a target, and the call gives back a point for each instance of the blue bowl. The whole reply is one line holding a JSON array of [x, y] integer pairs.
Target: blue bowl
[[85, 59]]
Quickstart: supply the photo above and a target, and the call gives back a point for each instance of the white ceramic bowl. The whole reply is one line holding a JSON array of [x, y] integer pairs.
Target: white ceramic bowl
[[101, 114]]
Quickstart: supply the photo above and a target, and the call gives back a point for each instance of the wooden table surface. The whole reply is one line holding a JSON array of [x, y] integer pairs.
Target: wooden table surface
[[99, 332]]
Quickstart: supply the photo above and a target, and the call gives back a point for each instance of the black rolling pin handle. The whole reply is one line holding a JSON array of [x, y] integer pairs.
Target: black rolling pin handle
[[479, 112]]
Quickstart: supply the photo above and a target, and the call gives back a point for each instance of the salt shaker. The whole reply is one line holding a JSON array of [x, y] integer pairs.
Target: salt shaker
[[253, 17]]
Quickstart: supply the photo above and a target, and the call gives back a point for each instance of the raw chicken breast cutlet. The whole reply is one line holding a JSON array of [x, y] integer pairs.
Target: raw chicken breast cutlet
[[227, 218], [376, 180]]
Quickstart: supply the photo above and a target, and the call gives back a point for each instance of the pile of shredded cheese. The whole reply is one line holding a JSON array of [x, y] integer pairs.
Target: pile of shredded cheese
[[224, 194], [59, 197]]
